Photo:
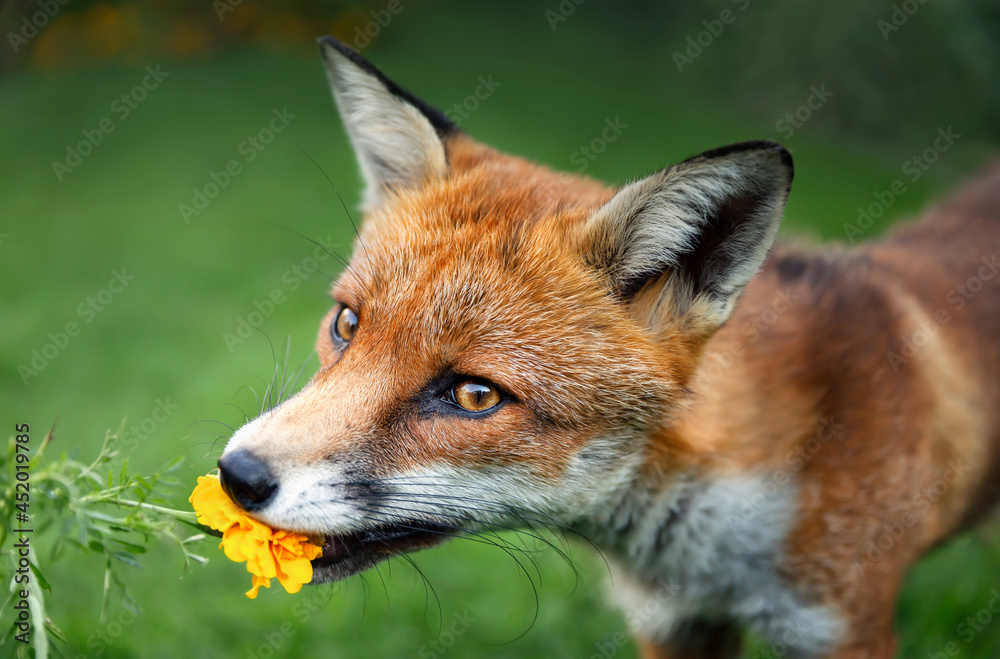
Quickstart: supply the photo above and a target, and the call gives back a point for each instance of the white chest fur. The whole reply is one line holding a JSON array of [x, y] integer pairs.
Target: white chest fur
[[711, 549]]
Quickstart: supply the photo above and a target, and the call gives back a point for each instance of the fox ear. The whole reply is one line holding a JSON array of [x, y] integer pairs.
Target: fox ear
[[679, 246], [396, 136]]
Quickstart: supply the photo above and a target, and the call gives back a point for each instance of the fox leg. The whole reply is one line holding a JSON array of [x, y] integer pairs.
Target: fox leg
[[698, 639]]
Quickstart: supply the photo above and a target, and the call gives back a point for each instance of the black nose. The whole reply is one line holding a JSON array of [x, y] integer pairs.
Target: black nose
[[246, 479]]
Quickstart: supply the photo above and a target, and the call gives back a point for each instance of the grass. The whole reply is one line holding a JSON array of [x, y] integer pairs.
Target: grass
[[158, 344]]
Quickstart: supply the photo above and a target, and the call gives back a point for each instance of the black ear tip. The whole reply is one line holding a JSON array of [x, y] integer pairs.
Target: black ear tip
[[774, 148], [780, 151], [328, 42], [769, 146], [754, 148], [442, 124]]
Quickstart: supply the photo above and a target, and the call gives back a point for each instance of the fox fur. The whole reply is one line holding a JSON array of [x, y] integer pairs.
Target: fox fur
[[735, 424]]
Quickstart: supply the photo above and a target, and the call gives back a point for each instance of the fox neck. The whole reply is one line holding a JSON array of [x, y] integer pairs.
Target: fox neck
[[674, 527], [699, 543]]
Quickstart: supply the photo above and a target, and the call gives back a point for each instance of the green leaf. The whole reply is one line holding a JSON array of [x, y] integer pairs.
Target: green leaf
[[102, 516], [207, 530], [55, 631], [107, 591], [129, 603], [40, 577], [10, 597], [39, 638], [134, 548], [173, 465], [126, 558], [198, 557], [99, 530], [58, 547]]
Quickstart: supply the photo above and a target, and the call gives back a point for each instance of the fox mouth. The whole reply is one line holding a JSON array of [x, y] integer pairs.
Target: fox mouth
[[347, 554]]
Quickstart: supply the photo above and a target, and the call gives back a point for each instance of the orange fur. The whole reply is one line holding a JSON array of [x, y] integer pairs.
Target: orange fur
[[488, 271]]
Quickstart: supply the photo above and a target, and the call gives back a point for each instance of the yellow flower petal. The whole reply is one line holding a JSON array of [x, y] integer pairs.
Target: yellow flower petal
[[294, 573], [257, 583], [268, 553]]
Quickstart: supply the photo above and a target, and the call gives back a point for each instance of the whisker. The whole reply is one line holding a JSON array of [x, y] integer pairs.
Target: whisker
[[504, 506], [266, 397], [461, 533], [427, 583], [384, 588], [344, 262], [492, 525], [520, 533], [224, 425], [284, 368], [246, 417], [342, 202], [255, 397], [433, 590], [298, 373], [562, 526]]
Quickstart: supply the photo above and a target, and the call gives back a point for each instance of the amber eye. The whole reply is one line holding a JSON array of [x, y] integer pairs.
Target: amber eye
[[475, 395], [345, 324]]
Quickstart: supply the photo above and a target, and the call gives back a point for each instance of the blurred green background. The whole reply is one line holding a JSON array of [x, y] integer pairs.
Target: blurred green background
[[882, 80]]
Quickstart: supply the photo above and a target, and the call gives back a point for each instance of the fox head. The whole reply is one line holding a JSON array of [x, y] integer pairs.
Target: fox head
[[507, 341]]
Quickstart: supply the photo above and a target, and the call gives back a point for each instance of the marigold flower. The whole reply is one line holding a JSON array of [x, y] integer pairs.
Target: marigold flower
[[268, 553]]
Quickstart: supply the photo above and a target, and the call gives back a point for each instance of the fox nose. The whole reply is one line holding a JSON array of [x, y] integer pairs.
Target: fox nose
[[246, 479]]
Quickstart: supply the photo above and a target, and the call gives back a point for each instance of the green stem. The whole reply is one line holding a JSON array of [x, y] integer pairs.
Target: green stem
[[102, 455], [55, 476], [181, 515], [104, 495]]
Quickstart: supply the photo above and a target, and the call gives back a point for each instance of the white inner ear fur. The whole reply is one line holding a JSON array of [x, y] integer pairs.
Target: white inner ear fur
[[395, 144], [651, 223]]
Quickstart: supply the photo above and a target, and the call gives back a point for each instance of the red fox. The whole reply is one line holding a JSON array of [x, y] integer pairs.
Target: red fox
[[513, 345]]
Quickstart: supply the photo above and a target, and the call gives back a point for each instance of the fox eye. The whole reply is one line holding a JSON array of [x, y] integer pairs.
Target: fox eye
[[475, 395], [344, 325]]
